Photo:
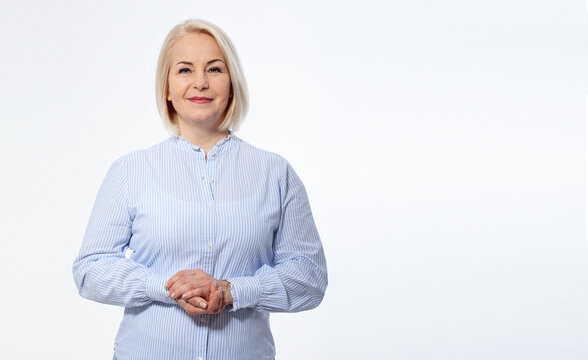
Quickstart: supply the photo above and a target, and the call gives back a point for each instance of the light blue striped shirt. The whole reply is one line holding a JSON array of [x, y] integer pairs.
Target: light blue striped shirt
[[242, 215]]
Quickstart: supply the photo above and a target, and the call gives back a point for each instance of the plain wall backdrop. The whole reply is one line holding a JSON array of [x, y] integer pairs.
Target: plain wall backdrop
[[442, 144]]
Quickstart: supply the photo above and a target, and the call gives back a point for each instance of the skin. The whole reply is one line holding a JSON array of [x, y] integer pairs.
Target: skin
[[198, 68], [198, 292]]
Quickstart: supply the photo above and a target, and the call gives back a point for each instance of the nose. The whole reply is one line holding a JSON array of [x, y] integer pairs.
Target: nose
[[200, 81]]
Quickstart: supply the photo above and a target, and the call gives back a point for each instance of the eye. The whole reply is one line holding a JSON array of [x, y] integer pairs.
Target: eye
[[215, 70], [184, 71]]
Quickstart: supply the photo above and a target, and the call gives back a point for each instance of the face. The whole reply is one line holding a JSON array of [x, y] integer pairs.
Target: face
[[199, 81]]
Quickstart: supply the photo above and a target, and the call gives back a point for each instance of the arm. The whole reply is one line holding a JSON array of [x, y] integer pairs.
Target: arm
[[298, 278], [101, 271]]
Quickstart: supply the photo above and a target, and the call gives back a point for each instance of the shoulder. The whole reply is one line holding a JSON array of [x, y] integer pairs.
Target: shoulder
[[138, 159], [261, 156], [140, 154], [270, 162]]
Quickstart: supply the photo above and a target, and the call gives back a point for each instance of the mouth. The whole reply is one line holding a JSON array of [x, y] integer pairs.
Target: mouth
[[200, 100]]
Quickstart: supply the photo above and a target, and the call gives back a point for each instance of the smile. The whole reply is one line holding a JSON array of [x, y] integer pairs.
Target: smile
[[200, 100]]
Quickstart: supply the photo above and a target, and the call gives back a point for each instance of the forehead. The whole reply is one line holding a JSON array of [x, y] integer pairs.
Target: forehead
[[196, 47]]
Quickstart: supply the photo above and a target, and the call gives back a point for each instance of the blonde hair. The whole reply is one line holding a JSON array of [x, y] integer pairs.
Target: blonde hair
[[238, 104]]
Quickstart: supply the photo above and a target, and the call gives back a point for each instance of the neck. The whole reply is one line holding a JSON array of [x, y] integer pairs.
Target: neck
[[205, 138]]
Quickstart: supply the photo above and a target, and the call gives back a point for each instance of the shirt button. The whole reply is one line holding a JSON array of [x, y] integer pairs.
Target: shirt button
[[209, 245], [210, 180], [209, 206], [199, 358], [212, 153]]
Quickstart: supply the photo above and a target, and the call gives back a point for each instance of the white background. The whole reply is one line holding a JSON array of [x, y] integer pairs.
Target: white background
[[441, 143]]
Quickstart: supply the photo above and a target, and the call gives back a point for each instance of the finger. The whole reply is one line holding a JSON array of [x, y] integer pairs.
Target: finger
[[176, 285], [197, 301], [180, 287], [215, 301], [221, 296], [221, 300], [194, 273], [187, 283], [201, 292], [191, 309], [173, 279], [216, 298]]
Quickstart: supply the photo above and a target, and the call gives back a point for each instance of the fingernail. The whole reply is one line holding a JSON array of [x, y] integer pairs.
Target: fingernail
[[173, 295], [203, 305], [168, 294], [184, 296], [165, 285]]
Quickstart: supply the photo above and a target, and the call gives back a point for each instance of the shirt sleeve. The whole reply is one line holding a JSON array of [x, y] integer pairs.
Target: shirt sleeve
[[298, 278], [101, 270]]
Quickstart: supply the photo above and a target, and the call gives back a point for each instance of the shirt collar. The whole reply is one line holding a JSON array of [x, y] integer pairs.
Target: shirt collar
[[220, 147]]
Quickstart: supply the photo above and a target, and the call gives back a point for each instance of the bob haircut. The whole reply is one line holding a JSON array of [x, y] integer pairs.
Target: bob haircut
[[238, 103]]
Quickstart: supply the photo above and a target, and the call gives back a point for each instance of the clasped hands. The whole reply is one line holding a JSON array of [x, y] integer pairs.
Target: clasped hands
[[199, 293]]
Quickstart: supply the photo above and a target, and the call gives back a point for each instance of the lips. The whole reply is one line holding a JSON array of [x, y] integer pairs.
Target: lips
[[200, 100]]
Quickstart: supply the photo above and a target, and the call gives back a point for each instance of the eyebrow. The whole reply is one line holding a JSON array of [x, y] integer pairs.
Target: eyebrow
[[189, 63]]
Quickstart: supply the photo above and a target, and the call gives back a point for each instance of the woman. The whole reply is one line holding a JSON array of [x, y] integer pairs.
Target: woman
[[221, 232]]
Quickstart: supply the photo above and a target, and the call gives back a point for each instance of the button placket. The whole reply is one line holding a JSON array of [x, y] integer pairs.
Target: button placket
[[205, 213], [210, 174], [210, 213], [206, 183], [206, 171]]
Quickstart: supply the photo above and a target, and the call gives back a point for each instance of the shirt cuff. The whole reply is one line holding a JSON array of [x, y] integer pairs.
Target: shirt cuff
[[156, 291], [246, 292]]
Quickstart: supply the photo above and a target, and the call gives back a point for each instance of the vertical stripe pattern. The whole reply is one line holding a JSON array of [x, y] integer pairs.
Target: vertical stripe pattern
[[241, 214]]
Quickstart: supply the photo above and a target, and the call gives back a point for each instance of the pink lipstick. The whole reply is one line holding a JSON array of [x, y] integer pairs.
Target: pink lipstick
[[200, 100]]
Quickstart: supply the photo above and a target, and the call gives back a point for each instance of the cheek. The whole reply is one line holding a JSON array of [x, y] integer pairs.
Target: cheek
[[175, 87], [171, 88], [227, 89]]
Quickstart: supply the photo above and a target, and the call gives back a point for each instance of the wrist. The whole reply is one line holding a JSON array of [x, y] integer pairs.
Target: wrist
[[226, 286]]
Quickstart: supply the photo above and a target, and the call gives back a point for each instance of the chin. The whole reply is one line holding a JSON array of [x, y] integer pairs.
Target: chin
[[207, 122]]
